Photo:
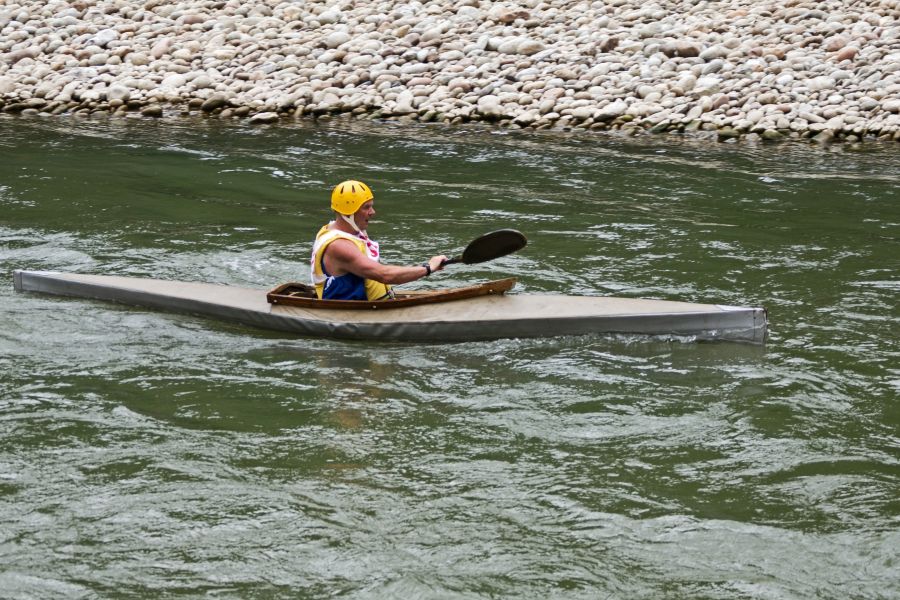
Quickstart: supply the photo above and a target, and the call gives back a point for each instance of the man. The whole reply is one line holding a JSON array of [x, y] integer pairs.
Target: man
[[345, 262]]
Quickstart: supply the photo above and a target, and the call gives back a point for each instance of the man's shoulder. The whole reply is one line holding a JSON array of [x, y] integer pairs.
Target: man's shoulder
[[342, 245]]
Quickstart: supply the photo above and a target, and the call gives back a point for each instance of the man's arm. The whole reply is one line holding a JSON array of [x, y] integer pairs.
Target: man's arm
[[342, 256]]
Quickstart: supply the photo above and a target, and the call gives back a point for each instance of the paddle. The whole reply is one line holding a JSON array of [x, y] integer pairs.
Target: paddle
[[490, 246]]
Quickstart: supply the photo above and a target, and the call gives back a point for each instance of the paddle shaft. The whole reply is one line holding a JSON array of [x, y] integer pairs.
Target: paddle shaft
[[490, 246]]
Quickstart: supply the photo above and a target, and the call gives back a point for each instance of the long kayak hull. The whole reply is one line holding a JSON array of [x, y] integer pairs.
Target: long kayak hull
[[480, 318]]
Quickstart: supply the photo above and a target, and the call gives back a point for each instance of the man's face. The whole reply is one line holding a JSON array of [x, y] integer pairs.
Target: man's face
[[365, 212]]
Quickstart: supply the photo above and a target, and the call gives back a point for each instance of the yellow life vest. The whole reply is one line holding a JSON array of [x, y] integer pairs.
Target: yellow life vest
[[375, 290]]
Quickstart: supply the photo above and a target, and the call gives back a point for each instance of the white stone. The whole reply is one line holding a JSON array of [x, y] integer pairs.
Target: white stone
[[337, 38], [104, 37], [527, 117], [264, 117], [160, 48], [613, 110], [46, 89], [820, 83], [867, 103], [755, 116], [404, 102], [100, 58], [202, 81], [489, 105], [707, 85], [363, 60], [583, 113], [694, 113], [642, 109], [785, 79], [415, 68], [138, 59], [835, 123], [645, 90], [529, 47], [329, 17], [810, 117], [173, 81], [687, 82], [469, 13], [509, 45], [432, 34], [118, 92]]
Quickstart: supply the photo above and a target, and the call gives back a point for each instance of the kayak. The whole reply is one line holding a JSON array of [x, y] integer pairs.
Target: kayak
[[486, 313]]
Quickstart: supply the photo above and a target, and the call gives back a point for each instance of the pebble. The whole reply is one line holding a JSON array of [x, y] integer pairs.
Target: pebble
[[824, 69], [118, 93], [846, 54], [264, 117], [214, 102]]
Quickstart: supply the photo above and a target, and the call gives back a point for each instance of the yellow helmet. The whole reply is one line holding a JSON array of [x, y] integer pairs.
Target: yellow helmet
[[348, 196]]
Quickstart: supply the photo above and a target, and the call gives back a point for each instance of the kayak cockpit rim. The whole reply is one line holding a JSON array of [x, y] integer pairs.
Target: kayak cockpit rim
[[304, 296]]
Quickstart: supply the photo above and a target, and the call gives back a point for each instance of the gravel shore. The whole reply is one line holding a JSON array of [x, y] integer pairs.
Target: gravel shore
[[825, 70]]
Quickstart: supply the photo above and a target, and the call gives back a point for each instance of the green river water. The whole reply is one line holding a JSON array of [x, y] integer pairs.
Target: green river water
[[145, 454]]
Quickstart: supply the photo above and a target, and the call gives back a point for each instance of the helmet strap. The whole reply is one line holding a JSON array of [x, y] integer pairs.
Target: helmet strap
[[352, 221]]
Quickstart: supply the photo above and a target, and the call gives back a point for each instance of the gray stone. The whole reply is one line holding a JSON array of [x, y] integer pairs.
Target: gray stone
[[214, 102], [727, 133], [714, 66], [824, 137], [714, 52], [154, 110]]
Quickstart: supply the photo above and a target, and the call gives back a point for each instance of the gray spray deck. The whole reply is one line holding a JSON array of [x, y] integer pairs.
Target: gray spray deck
[[484, 318]]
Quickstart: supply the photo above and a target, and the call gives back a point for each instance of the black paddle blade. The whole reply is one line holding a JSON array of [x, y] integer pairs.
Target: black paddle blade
[[494, 245]]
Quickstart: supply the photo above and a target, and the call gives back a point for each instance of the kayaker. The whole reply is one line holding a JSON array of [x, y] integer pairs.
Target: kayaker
[[345, 262]]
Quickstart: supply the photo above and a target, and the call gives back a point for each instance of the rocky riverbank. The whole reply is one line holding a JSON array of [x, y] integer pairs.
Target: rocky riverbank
[[826, 70]]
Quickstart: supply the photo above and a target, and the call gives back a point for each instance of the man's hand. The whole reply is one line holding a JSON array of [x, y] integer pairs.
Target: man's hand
[[437, 263]]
